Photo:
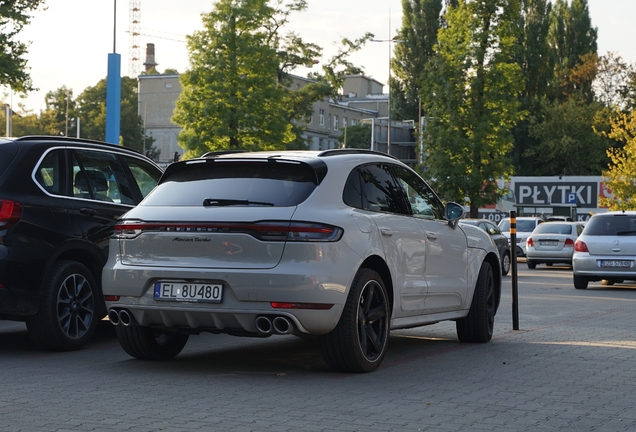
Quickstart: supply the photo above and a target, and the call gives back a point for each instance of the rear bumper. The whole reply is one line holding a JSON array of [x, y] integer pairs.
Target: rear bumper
[[588, 266], [246, 293], [562, 256]]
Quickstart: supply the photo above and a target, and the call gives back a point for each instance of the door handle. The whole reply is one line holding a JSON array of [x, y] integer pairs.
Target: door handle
[[386, 232], [431, 236], [88, 211]]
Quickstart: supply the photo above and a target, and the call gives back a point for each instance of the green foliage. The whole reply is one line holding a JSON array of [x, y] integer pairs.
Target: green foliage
[[621, 175], [471, 101], [91, 108], [568, 138], [420, 22], [571, 37], [235, 95], [14, 15], [357, 136]]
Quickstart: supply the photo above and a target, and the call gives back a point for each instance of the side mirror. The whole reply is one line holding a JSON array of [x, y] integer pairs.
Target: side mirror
[[453, 212]]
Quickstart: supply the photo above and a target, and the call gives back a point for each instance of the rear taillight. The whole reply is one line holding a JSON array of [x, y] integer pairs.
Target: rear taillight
[[267, 230], [530, 242], [10, 213], [569, 242], [580, 246]]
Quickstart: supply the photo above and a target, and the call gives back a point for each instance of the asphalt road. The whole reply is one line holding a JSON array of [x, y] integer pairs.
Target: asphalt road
[[571, 367]]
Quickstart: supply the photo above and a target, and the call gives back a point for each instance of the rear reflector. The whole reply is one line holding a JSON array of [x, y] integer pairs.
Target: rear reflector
[[10, 213], [112, 298], [314, 306]]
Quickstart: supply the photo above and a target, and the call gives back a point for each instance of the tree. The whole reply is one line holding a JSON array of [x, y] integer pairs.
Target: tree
[[420, 23], [357, 136], [536, 59], [621, 175], [567, 136], [91, 109], [235, 95], [14, 15], [572, 37], [612, 81], [339, 67], [472, 101]]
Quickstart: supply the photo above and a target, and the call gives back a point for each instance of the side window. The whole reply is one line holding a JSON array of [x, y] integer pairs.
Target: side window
[[49, 173], [98, 175], [146, 175], [379, 190], [352, 195], [423, 200], [491, 228], [579, 229]]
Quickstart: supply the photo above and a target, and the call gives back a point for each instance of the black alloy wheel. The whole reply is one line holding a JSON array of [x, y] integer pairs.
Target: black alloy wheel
[[67, 317], [359, 341]]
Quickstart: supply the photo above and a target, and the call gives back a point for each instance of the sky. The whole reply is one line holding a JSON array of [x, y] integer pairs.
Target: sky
[[70, 39]]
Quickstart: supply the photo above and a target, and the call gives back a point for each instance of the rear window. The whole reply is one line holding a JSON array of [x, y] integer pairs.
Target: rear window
[[267, 183], [620, 224], [526, 225], [550, 228]]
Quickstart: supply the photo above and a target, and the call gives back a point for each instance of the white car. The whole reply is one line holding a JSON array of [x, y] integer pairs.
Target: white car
[[341, 244], [525, 226]]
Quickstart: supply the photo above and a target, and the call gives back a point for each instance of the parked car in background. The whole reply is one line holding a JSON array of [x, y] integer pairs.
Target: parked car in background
[[552, 243], [501, 241], [606, 250], [341, 244], [59, 201], [525, 226]]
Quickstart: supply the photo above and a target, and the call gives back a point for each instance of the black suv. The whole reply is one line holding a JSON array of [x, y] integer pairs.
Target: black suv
[[59, 200]]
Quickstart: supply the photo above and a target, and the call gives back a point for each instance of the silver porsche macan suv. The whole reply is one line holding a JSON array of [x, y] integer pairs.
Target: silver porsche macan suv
[[341, 244]]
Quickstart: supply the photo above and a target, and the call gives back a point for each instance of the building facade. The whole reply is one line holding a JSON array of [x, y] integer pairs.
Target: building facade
[[363, 102]]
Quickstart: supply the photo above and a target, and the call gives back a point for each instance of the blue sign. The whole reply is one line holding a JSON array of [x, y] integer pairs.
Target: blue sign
[[571, 198]]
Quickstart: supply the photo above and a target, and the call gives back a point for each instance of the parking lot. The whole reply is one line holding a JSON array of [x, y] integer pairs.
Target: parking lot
[[571, 366]]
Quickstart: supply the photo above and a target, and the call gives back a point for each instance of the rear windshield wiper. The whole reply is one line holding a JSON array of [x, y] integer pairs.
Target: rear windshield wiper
[[626, 233], [212, 202]]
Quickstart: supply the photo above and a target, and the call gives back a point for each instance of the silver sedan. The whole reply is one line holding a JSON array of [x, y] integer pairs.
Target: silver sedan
[[552, 243]]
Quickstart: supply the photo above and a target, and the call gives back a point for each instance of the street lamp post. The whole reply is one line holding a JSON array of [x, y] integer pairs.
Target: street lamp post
[[388, 132]]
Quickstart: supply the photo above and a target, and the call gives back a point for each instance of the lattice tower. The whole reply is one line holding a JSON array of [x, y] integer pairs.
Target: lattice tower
[[134, 33]]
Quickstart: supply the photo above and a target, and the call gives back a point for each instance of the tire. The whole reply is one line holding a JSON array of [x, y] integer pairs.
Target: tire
[[531, 264], [505, 263], [69, 311], [580, 282], [478, 325], [146, 343], [359, 341]]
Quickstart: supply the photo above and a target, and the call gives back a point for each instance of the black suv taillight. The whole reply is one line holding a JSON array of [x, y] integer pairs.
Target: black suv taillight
[[10, 213]]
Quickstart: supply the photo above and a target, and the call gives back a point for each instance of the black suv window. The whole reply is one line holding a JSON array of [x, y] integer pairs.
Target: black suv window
[[270, 183], [98, 175], [49, 173], [146, 176]]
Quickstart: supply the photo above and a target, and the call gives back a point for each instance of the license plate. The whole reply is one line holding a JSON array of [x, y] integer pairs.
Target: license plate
[[548, 242], [178, 291], [615, 263]]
